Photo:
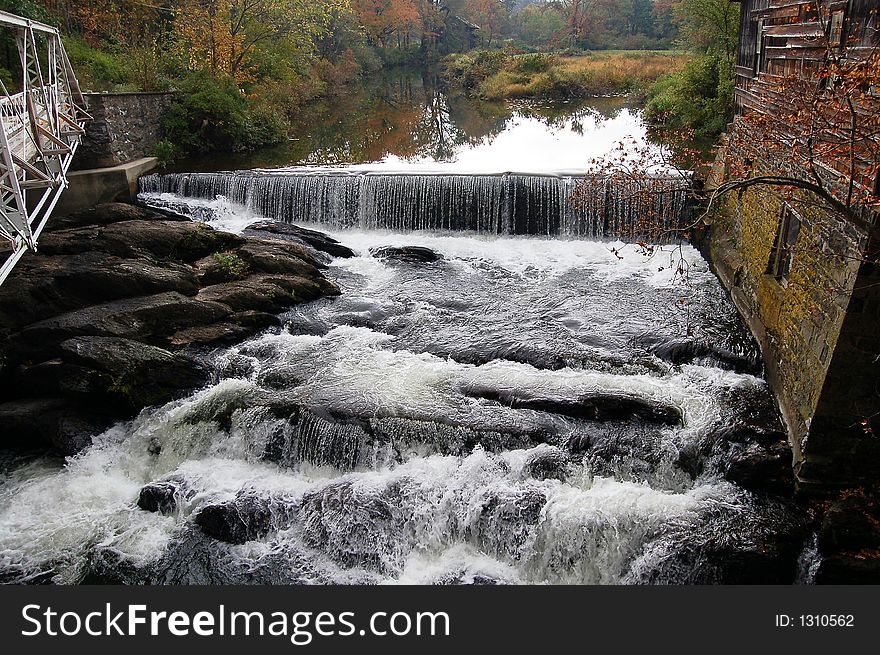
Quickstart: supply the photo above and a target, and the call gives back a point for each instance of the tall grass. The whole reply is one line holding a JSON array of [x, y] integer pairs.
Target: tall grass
[[555, 76]]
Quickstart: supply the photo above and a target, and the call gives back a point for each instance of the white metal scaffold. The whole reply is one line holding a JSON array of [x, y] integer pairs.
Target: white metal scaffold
[[42, 126]]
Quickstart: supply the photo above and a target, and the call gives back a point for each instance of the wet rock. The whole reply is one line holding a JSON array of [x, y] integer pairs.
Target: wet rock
[[246, 518], [760, 467], [354, 526], [407, 254], [253, 293], [107, 213], [59, 378], [750, 445], [46, 286], [279, 257], [162, 239], [215, 334], [266, 293], [108, 566], [362, 312], [139, 374], [548, 463], [753, 417], [507, 520], [65, 426], [849, 568], [191, 558], [578, 444], [408, 436], [254, 320], [635, 452], [689, 350], [162, 496], [318, 440], [594, 407], [90, 316], [851, 524], [144, 317], [737, 544], [317, 240], [461, 578]]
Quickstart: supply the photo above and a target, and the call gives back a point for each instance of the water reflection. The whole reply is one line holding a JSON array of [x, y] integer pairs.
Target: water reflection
[[407, 121]]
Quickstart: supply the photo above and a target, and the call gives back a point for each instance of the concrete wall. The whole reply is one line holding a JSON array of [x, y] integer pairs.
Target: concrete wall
[[126, 126], [819, 338], [95, 186]]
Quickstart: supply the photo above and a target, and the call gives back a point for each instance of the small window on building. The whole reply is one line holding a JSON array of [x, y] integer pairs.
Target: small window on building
[[759, 47], [782, 253], [835, 29]]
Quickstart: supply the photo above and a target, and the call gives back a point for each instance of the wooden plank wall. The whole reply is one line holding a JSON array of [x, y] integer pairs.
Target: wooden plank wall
[[792, 42]]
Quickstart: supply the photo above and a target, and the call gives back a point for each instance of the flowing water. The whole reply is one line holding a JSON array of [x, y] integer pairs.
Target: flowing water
[[511, 412]]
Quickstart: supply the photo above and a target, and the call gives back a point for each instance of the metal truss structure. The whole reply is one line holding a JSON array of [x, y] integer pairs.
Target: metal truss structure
[[41, 127]]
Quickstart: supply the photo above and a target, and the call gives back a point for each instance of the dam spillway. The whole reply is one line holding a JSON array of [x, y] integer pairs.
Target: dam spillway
[[572, 206]]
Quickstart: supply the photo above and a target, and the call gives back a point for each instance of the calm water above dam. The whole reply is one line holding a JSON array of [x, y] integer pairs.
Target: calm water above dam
[[514, 401], [406, 121]]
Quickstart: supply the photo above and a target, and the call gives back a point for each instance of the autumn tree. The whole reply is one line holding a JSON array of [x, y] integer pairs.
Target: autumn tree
[[709, 25], [382, 20], [490, 16], [223, 35], [812, 135]]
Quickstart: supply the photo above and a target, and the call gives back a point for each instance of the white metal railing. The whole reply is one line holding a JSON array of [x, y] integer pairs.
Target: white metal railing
[[41, 127]]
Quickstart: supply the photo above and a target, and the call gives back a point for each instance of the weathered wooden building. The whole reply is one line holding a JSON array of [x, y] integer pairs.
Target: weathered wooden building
[[802, 271], [791, 37]]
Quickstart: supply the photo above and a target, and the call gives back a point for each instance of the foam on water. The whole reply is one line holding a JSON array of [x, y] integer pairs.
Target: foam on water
[[379, 432]]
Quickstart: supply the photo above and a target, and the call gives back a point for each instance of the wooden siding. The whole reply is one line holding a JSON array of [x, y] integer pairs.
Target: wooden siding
[[792, 43]]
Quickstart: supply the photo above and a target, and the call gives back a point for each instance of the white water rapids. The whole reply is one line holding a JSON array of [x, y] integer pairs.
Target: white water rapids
[[407, 461]]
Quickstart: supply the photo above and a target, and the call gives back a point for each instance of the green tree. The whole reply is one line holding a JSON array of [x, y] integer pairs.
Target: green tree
[[709, 26]]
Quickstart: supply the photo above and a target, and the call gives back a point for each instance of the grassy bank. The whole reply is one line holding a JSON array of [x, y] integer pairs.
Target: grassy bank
[[496, 75]]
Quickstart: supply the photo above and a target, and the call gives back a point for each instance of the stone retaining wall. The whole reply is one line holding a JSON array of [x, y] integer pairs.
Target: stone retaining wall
[[126, 126], [817, 329]]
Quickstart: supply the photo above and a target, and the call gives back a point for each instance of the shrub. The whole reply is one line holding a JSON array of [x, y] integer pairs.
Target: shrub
[[210, 114], [549, 76], [98, 69], [470, 70], [699, 97], [537, 63], [231, 266], [165, 151]]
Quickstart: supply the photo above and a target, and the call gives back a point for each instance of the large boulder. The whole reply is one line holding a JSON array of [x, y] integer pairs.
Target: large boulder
[[549, 463], [407, 254], [141, 374], [162, 239], [45, 286], [506, 522], [246, 518], [279, 257], [758, 545], [62, 425], [354, 526], [107, 213], [317, 240], [87, 321], [163, 496], [598, 406], [144, 317]]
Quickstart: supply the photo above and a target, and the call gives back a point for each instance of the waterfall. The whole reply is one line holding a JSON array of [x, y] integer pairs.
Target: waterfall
[[494, 204]]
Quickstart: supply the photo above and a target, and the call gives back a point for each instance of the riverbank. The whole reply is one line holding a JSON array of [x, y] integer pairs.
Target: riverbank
[[119, 308], [496, 75]]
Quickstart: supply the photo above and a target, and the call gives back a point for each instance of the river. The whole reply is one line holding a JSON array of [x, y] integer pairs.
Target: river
[[527, 403]]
